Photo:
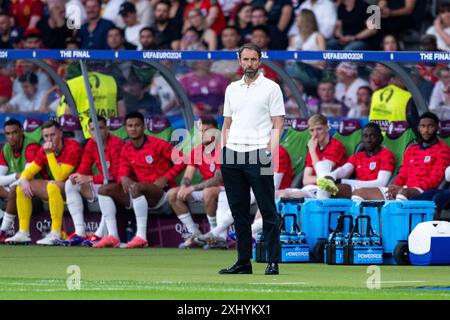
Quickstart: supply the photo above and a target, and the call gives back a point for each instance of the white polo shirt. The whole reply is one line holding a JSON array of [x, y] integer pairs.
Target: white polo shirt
[[251, 108]]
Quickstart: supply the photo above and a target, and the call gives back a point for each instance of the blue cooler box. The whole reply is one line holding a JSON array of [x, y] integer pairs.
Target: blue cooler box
[[429, 243]]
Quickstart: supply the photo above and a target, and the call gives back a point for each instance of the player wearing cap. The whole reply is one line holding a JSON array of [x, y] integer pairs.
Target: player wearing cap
[[16, 155], [56, 160], [373, 167], [422, 169], [84, 183], [148, 165]]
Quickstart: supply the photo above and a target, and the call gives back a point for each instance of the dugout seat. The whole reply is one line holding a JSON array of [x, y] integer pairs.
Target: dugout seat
[[398, 137], [295, 141], [32, 128], [116, 127], [159, 126], [350, 134], [71, 127], [444, 131]]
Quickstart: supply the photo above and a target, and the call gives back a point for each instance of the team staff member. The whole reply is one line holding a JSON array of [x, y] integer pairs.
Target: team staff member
[[373, 167], [56, 159], [206, 159], [16, 155], [253, 122], [422, 169], [85, 183], [146, 170]]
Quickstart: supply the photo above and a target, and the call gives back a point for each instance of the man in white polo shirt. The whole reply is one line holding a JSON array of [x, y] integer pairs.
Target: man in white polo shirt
[[253, 123]]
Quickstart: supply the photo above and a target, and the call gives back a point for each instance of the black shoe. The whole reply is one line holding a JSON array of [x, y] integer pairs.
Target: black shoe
[[272, 268], [238, 269]]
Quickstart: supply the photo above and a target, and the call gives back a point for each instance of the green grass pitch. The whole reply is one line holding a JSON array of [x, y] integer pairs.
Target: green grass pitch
[[32, 272]]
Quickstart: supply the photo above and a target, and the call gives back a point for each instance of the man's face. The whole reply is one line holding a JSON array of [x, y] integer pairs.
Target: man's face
[[427, 129], [258, 18], [135, 128], [32, 43], [130, 19], [14, 135], [53, 135], [260, 39], [115, 40], [146, 39], [161, 13], [102, 128], [319, 132], [29, 89], [371, 139], [326, 92], [363, 96], [92, 9], [230, 39], [4, 24], [250, 62]]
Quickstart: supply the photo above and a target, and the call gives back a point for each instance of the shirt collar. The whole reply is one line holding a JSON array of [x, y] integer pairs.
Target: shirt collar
[[257, 82]]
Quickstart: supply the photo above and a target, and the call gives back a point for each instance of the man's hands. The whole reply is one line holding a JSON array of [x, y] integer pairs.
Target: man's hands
[[127, 184], [26, 188], [392, 192], [184, 192], [313, 143], [49, 147], [77, 178], [161, 182]]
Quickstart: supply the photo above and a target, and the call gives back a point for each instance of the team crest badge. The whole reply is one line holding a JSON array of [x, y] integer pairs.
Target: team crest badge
[[427, 159], [372, 165], [212, 167], [149, 159]]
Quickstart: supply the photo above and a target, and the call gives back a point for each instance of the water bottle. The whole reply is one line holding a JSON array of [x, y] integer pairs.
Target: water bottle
[[376, 240], [129, 231], [366, 241], [356, 240], [338, 240]]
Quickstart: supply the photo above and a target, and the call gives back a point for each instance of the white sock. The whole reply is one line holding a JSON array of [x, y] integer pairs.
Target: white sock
[[140, 206], [322, 194], [224, 221], [101, 230], [8, 220], [75, 206], [323, 168], [212, 222], [257, 226], [401, 197], [187, 220], [108, 209], [357, 198]]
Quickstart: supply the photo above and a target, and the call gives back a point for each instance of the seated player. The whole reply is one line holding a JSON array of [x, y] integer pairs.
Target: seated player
[[84, 183], [56, 160], [146, 170], [325, 154], [422, 167], [441, 197], [16, 155], [216, 238], [205, 157], [373, 167]]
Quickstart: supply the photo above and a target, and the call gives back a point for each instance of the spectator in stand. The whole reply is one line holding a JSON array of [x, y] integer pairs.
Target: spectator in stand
[[192, 40], [209, 9], [280, 13], [26, 13], [351, 32], [230, 41], [10, 36], [93, 34], [242, 21], [441, 27], [137, 98], [205, 89], [132, 26], [428, 70], [207, 35], [26, 66], [176, 12], [400, 15], [309, 39], [116, 40], [326, 16], [278, 39], [390, 43], [110, 11], [5, 83], [170, 105], [29, 100], [144, 12], [349, 83], [362, 109], [5, 5], [290, 104], [228, 6], [166, 32], [440, 97], [53, 27], [379, 77], [328, 105], [147, 39]]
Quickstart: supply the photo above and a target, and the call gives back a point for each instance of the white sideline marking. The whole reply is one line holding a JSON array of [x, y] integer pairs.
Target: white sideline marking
[[399, 281], [278, 283]]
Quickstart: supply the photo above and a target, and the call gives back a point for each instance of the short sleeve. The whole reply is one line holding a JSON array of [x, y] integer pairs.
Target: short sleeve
[[226, 104], [276, 104]]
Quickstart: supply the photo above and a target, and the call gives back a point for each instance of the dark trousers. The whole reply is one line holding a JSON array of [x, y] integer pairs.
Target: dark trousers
[[440, 197], [242, 171]]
